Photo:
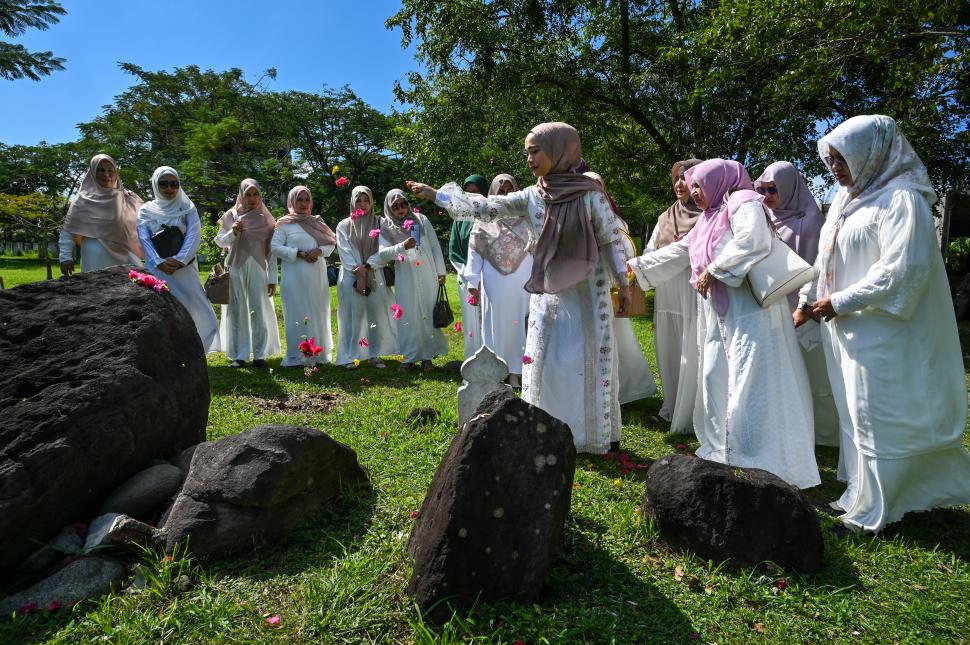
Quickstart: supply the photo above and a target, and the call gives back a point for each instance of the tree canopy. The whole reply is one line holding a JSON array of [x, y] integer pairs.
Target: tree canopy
[[16, 61]]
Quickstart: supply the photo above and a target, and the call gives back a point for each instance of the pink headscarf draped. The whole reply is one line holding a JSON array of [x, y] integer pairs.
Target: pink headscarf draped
[[715, 178], [105, 214], [566, 252], [312, 224], [798, 219], [253, 240]]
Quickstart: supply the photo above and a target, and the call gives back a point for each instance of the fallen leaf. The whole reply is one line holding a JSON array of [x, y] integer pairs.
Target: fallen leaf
[[760, 628], [678, 573]]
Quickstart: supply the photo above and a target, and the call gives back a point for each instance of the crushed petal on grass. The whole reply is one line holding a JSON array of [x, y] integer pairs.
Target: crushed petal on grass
[[413, 514], [273, 620], [781, 584], [27, 608], [54, 605]]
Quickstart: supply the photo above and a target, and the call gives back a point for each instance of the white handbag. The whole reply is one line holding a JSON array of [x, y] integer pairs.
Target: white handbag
[[781, 272]]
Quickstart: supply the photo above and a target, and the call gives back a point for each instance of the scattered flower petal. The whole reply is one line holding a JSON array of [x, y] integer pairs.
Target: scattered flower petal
[[681, 446], [400, 257], [472, 299], [396, 311], [374, 232], [458, 326], [27, 608], [417, 263], [408, 223], [781, 583], [526, 359], [54, 605], [416, 211], [341, 182], [413, 514], [273, 620], [335, 169], [363, 342]]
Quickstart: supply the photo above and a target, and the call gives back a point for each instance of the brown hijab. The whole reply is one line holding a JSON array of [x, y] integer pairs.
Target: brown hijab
[[679, 219], [505, 242], [253, 241], [312, 224], [105, 214], [566, 252]]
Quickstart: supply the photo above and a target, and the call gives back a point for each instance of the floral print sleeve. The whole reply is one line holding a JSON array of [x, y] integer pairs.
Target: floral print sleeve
[[464, 206], [610, 235]]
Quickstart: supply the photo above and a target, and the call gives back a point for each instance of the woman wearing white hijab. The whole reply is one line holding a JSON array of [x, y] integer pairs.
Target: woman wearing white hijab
[[364, 327], [173, 208], [418, 270], [889, 333], [301, 240], [101, 221], [499, 263], [249, 326]]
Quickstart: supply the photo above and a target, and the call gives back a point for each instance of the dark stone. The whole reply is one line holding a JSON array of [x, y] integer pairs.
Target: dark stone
[[98, 377], [183, 460], [144, 492], [82, 579], [114, 530], [423, 415], [744, 516], [256, 486], [67, 543], [491, 524]]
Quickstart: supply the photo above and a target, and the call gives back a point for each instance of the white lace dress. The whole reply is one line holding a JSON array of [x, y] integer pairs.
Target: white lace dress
[[756, 405], [571, 371]]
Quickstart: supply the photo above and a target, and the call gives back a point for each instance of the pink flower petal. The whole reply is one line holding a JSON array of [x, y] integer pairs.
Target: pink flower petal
[[458, 326], [273, 620], [396, 311], [526, 359], [416, 211], [472, 299], [363, 342], [374, 232], [54, 605], [400, 257]]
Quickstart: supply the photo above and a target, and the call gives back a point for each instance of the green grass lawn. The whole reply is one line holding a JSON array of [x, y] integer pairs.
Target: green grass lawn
[[341, 577]]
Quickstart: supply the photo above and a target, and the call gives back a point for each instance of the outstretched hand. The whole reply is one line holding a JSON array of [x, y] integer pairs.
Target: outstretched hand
[[422, 191]]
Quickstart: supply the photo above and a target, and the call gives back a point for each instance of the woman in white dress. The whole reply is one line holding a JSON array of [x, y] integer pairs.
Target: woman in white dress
[[499, 263], [101, 221], [757, 406], [570, 367], [301, 240], [458, 240], [419, 268], [636, 379], [890, 336], [249, 326], [798, 222], [675, 313], [173, 208], [364, 328]]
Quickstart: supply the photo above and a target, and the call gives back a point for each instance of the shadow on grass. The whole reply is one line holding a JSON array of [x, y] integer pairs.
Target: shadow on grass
[[942, 529], [603, 599]]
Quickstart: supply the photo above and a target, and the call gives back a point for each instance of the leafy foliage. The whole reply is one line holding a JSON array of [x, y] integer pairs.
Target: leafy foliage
[[16, 61]]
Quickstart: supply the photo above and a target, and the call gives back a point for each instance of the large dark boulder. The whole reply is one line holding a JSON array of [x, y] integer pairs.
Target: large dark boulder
[[256, 486], [492, 521], [744, 516], [98, 377]]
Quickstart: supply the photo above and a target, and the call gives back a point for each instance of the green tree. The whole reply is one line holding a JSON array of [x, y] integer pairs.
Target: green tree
[[651, 82], [16, 61]]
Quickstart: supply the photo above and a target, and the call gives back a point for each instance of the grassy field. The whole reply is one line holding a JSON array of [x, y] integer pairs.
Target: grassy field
[[341, 577]]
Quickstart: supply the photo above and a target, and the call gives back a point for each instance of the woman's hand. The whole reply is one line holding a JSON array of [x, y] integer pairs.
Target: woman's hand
[[312, 255], [704, 283], [422, 191], [170, 265], [624, 300], [441, 279], [67, 268], [238, 226], [271, 289], [360, 270], [823, 308], [360, 286], [410, 243]]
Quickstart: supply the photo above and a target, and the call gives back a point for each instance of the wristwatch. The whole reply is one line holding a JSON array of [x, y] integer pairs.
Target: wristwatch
[[805, 306], [300, 254]]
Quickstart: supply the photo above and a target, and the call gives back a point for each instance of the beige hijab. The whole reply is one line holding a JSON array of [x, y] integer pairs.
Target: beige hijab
[[361, 227], [392, 228], [108, 215], [677, 221], [504, 243], [314, 225], [253, 241], [566, 252]]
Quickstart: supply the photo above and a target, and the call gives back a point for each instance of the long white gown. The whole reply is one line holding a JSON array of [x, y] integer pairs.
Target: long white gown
[[94, 256], [471, 315], [367, 317], [894, 362], [505, 306], [249, 327], [415, 291], [756, 404], [675, 305], [305, 293], [570, 340], [185, 284], [635, 378]]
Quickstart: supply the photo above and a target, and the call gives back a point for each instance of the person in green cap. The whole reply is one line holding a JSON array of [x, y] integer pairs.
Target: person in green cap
[[471, 313]]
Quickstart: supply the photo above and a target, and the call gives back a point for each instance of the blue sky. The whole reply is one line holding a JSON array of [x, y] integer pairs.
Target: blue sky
[[311, 44]]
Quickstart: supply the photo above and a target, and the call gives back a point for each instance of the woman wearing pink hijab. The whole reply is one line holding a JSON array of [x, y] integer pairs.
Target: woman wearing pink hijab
[[302, 241], [756, 407], [101, 221], [249, 326], [569, 366], [798, 221]]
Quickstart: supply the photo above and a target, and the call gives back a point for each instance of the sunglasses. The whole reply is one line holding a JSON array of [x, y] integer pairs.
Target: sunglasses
[[164, 183], [831, 160], [767, 190]]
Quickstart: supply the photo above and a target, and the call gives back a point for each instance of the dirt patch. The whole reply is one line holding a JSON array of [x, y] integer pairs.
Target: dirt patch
[[299, 403]]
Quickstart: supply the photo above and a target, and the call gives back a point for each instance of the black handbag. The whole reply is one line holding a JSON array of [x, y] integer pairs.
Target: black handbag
[[389, 276], [441, 315], [168, 241]]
